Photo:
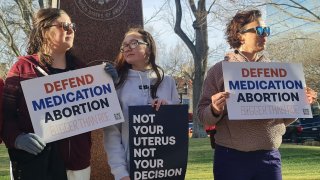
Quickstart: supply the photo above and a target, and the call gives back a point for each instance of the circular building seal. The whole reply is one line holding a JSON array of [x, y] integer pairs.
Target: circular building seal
[[101, 9]]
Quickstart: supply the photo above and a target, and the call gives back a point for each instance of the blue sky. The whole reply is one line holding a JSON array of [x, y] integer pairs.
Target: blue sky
[[280, 23], [165, 34]]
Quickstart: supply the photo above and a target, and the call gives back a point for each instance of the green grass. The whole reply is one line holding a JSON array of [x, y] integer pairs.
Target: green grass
[[200, 159], [4, 163], [298, 162]]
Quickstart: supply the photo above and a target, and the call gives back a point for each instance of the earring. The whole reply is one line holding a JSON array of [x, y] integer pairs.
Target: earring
[[147, 61]]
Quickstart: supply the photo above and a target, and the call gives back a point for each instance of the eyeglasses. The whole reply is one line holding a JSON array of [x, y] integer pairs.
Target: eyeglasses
[[65, 25], [133, 44], [261, 31]]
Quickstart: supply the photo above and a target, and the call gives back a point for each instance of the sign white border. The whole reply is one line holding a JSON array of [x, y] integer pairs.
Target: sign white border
[[78, 107], [277, 105]]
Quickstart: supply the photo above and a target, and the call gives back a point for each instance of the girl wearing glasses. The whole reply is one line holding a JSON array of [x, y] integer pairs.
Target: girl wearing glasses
[[48, 50], [246, 149], [141, 82]]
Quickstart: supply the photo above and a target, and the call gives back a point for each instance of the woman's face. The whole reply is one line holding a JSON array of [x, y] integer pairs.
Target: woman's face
[[60, 40], [135, 51], [251, 42]]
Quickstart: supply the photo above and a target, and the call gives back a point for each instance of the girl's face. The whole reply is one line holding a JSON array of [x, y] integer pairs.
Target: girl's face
[[60, 35], [135, 51], [252, 42]]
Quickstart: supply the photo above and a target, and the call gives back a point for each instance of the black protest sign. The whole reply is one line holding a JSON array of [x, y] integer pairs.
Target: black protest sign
[[158, 142]]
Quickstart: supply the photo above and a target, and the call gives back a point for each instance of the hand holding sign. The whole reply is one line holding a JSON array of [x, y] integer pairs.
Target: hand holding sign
[[155, 139], [311, 95], [86, 100], [156, 103], [266, 90], [218, 102], [109, 68], [30, 142]]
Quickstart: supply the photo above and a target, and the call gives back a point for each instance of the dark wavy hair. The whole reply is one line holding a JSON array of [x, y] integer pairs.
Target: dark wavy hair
[[236, 24], [37, 40], [123, 67]]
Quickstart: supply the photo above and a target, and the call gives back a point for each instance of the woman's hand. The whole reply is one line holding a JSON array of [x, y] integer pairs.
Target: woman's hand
[[311, 95], [156, 103], [30, 142], [111, 70], [125, 178], [218, 102]]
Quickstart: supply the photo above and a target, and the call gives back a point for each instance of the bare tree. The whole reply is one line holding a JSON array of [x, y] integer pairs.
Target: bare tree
[[155, 16], [199, 49], [195, 38], [15, 26], [294, 47], [294, 43], [177, 61], [304, 13]]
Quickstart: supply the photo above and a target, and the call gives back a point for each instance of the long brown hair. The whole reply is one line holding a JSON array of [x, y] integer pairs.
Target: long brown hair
[[37, 40], [123, 67]]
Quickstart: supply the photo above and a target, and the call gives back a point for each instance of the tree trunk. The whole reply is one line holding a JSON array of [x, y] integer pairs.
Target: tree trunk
[[199, 51], [198, 129]]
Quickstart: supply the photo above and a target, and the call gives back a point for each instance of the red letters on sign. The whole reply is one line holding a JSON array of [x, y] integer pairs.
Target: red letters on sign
[[68, 83], [263, 72]]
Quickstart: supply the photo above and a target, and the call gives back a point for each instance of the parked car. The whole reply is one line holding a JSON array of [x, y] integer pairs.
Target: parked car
[[303, 129]]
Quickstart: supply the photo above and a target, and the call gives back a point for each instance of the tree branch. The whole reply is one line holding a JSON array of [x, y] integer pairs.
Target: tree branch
[[26, 13], [298, 6], [9, 37], [211, 5], [178, 30], [306, 9], [41, 4], [193, 7], [278, 4], [155, 14]]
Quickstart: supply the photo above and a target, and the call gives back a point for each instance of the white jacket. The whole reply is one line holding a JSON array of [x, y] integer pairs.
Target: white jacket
[[133, 92]]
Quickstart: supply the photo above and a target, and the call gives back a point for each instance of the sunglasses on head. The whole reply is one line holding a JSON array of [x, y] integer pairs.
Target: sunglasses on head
[[261, 31], [65, 26]]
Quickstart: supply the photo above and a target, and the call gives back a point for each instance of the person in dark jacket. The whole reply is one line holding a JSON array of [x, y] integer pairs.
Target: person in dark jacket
[[1, 113], [49, 47]]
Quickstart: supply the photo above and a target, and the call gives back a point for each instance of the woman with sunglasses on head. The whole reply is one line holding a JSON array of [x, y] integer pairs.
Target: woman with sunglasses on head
[[141, 82], [246, 149], [49, 45]]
